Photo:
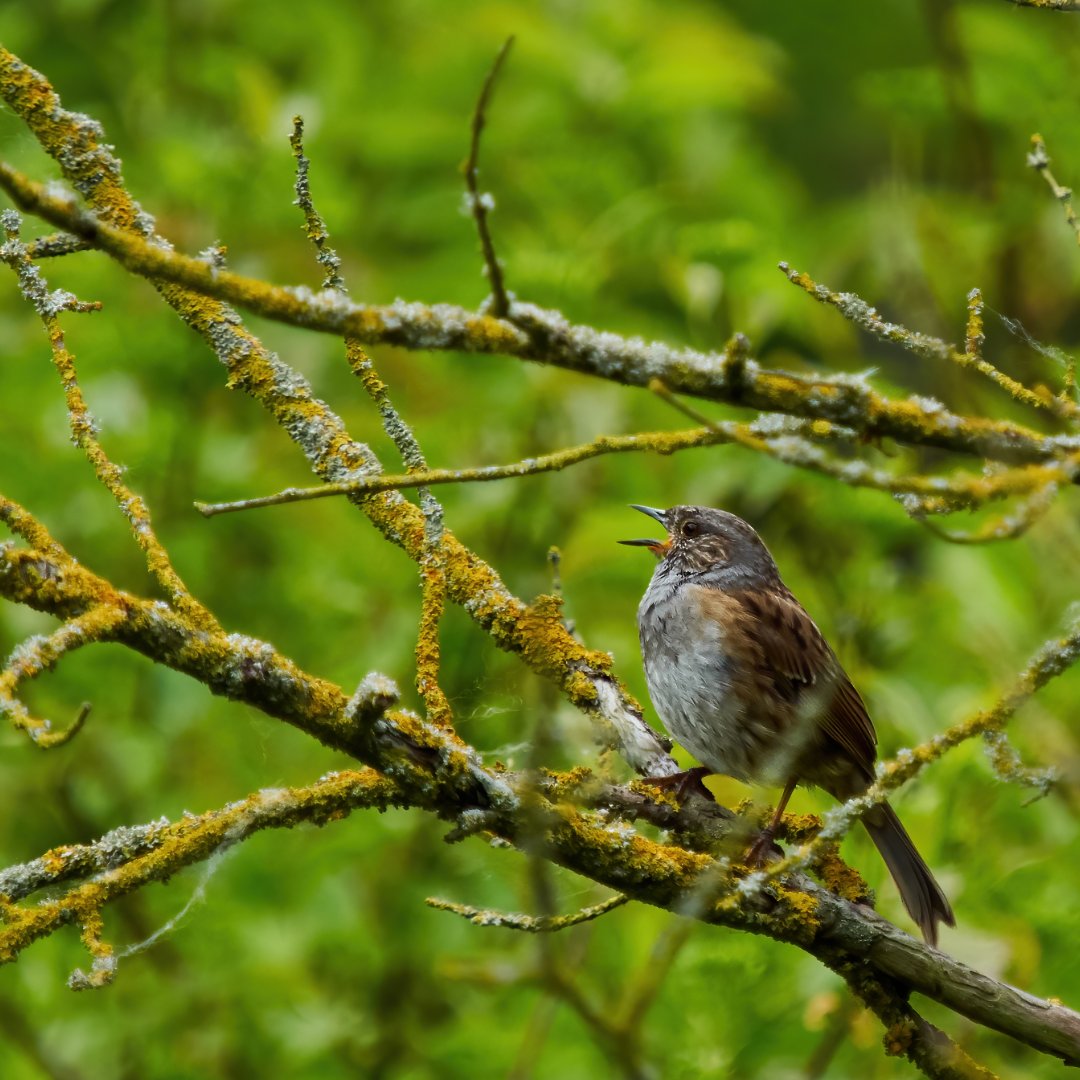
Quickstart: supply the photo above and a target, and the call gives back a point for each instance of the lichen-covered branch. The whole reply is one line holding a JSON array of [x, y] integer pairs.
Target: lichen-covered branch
[[1049, 5], [129, 859], [83, 426], [612, 853], [849, 938], [532, 333], [795, 442], [39, 654], [858, 311], [534, 632]]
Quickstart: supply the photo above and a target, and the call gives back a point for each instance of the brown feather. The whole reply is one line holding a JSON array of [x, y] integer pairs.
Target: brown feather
[[793, 649]]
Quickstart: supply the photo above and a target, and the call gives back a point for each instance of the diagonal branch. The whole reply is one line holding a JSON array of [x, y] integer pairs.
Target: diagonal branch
[[83, 426], [848, 938], [546, 337], [533, 632]]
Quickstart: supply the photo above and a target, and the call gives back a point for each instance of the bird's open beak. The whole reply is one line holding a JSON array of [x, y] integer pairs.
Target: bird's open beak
[[658, 547]]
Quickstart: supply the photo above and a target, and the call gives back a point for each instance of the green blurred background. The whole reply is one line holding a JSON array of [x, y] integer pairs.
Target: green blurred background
[[651, 163]]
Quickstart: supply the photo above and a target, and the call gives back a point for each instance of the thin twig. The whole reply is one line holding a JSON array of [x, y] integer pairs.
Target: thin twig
[[55, 245], [84, 426], [1009, 767], [972, 357], [1006, 526], [1039, 159], [42, 653], [788, 440], [432, 565], [315, 227], [481, 203], [529, 924], [1066, 361], [659, 442]]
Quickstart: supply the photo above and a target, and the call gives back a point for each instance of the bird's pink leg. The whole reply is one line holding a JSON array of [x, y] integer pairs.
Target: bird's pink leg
[[756, 855]]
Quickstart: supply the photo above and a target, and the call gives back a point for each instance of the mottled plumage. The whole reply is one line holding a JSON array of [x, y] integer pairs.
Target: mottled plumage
[[745, 681]]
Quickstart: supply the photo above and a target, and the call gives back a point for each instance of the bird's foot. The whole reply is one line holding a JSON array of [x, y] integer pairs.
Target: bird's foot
[[683, 783], [763, 848]]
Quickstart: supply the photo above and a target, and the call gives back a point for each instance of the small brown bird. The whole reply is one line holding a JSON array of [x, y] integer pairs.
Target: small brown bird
[[745, 681]]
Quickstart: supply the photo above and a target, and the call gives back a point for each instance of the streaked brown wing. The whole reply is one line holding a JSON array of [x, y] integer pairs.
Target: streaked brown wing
[[793, 649]]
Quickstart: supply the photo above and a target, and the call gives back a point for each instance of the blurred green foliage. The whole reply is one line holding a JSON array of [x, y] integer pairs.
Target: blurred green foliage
[[651, 163]]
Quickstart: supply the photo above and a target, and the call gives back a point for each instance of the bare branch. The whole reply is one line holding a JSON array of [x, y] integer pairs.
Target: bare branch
[[480, 204]]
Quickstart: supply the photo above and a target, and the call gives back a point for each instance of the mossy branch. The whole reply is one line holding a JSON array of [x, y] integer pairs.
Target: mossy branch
[[841, 935], [533, 632], [545, 337]]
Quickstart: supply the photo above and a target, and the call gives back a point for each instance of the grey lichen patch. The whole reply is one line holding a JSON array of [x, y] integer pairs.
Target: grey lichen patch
[[82, 860], [102, 972], [119, 845], [32, 283], [330, 303], [375, 694], [1010, 768], [253, 664]]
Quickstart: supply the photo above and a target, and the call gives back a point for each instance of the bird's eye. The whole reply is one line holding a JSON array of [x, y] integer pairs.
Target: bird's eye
[[690, 528]]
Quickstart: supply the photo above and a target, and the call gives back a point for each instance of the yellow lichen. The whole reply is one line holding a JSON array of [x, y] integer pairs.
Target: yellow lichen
[[898, 1038], [798, 915], [839, 878]]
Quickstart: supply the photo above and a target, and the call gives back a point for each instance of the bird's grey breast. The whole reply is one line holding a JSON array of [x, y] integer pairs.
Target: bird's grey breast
[[690, 673]]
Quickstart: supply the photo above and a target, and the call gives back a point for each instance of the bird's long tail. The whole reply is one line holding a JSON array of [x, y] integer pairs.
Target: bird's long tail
[[922, 895]]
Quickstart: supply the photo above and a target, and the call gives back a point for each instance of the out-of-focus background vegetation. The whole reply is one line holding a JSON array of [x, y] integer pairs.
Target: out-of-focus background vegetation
[[651, 163]]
